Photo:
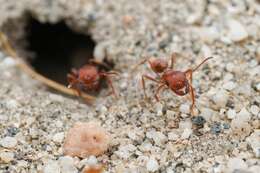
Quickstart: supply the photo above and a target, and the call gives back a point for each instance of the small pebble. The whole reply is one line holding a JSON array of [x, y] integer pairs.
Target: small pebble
[[100, 51], [237, 31], [56, 98], [209, 35], [158, 137], [198, 121], [8, 142], [216, 128], [6, 157], [173, 136], [221, 98], [254, 109], [186, 133], [125, 151], [254, 142], [8, 62], [236, 164], [207, 113], [226, 126], [254, 169], [231, 113], [58, 137], [244, 115], [152, 165], [185, 108], [52, 167], [258, 87], [241, 120], [90, 161], [229, 85], [12, 131], [67, 165]]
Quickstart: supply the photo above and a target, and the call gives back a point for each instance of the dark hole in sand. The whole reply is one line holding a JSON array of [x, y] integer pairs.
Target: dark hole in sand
[[57, 49]]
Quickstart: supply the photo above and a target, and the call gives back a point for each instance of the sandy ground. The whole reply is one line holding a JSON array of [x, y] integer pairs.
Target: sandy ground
[[147, 136]]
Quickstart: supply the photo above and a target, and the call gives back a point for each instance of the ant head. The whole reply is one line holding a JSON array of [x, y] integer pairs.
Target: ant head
[[88, 74], [158, 65]]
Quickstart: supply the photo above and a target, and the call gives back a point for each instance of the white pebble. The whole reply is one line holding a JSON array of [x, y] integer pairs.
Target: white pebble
[[158, 137], [244, 89], [237, 32], [66, 160], [254, 109], [207, 113], [56, 98], [170, 113], [258, 87], [92, 160], [244, 115], [58, 137], [6, 157], [159, 108], [221, 98], [185, 125], [231, 113], [186, 133], [230, 67], [8, 62], [185, 108], [125, 151], [152, 165], [100, 51], [173, 136], [241, 120], [12, 104], [206, 51], [209, 34], [229, 85], [8, 142], [254, 169], [52, 167], [67, 165], [236, 164], [254, 142]]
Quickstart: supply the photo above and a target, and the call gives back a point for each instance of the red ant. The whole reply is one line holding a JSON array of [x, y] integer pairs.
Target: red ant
[[89, 77], [175, 80]]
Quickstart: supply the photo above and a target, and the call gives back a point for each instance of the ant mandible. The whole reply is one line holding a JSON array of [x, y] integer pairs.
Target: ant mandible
[[89, 77], [177, 81]]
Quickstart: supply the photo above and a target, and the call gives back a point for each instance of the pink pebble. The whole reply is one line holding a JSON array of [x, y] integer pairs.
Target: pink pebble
[[85, 139]]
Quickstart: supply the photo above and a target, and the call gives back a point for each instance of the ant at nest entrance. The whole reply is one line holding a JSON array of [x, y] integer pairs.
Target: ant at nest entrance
[[54, 49]]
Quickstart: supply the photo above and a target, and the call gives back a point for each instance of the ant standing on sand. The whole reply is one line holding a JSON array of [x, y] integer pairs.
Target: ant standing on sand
[[177, 81], [89, 78]]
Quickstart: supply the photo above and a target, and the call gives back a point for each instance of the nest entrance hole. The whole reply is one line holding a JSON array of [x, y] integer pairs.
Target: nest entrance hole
[[57, 49]]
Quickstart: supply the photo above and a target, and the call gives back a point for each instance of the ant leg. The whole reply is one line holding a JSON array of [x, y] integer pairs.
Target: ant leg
[[143, 82], [72, 80], [158, 91], [189, 72], [173, 57], [109, 81], [110, 73], [140, 63], [100, 63]]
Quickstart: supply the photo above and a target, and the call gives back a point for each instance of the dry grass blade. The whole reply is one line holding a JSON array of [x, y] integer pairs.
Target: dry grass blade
[[27, 69]]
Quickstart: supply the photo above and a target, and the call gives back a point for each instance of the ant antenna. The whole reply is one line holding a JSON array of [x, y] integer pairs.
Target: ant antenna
[[202, 63], [140, 63]]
